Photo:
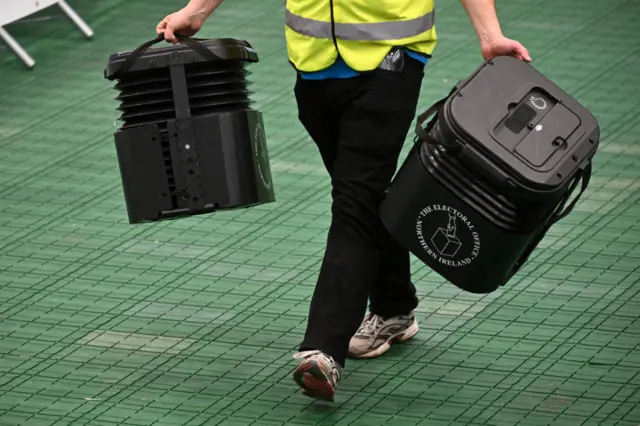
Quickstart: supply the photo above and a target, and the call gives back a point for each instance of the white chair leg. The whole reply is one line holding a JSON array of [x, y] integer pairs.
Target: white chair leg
[[76, 19], [17, 49]]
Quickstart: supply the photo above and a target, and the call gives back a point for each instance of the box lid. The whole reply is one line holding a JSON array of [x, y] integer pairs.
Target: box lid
[[224, 49], [520, 120]]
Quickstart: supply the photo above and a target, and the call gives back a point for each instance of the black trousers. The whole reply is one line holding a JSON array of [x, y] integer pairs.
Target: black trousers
[[359, 125]]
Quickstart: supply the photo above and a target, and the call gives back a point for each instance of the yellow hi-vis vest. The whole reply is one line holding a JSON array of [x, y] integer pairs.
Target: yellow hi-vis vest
[[362, 32]]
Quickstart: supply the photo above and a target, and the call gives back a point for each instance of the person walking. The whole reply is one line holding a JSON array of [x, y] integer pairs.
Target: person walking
[[359, 67]]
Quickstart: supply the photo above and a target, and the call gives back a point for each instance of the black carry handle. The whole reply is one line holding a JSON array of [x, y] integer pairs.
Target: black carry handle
[[422, 131], [585, 177], [193, 43]]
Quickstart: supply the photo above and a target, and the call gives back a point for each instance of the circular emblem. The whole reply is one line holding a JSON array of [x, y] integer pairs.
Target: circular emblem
[[538, 103], [447, 235], [259, 142]]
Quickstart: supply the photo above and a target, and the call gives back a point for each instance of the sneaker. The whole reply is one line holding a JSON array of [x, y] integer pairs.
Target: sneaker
[[317, 375], [376, 334]]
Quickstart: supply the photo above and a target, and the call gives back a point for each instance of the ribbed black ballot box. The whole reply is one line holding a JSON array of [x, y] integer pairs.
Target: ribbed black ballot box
[[490, 173], [188, 141]]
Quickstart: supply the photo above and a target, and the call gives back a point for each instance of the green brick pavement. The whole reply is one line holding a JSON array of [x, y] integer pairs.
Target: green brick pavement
[[193, 322]]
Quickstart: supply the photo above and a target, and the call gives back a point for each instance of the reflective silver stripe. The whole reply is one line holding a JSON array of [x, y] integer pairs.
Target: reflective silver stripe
[[361, 32]]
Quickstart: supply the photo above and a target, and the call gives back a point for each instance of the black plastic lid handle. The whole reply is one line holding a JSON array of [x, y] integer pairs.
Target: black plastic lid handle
[[193, 43]]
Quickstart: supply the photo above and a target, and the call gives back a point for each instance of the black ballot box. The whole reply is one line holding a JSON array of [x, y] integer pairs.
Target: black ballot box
[[494, 165], [188, 140]]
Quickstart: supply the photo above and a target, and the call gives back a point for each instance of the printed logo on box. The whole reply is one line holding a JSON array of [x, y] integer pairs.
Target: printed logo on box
[[259, 147], [447, 235]]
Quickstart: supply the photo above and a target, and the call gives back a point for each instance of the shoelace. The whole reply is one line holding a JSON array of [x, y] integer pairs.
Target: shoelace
[[372, 324], [307, 354]]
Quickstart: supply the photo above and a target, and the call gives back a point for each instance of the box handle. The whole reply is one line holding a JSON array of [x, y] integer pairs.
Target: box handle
[[584, 176], [422, 131], [193, 43]]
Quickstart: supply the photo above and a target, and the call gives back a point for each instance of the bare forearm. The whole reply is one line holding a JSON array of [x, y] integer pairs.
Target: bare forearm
[[203, 8], [484, 18]]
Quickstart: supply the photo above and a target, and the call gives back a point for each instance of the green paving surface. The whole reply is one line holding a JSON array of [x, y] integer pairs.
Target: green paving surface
[[193, 322]]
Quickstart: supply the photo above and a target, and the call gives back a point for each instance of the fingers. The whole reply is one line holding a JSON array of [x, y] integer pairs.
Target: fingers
[[161, 26], [522, 53], [169, 35], [168, 29]]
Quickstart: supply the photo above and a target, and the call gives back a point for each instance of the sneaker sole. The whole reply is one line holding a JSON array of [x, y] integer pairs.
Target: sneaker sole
[[403, 336], [313, 381]]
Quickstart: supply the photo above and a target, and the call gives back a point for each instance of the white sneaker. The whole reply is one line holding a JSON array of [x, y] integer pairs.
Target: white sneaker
[[376, 334], [317, 375]]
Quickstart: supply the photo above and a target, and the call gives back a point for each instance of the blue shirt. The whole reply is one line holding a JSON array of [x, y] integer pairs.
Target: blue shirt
[[340, 69]]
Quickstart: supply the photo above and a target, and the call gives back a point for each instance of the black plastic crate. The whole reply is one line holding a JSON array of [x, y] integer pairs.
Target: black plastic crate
[[491, 172], [189, 141]]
